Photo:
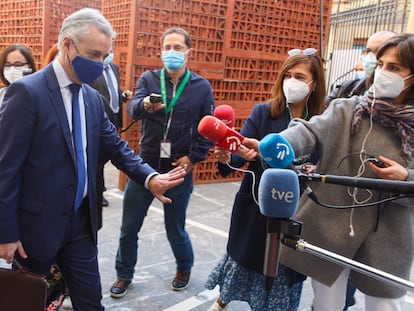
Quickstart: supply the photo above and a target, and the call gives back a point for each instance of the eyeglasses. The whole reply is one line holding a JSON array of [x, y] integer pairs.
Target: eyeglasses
[[308, 51], [15, 65]]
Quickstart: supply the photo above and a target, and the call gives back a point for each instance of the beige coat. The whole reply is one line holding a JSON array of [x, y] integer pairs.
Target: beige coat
[[383, 236]]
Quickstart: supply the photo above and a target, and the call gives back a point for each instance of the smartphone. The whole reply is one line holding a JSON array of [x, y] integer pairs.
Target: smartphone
[[377, 162], [155, 98]]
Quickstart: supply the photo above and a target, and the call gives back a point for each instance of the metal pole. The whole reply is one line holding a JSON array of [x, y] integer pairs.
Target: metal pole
[[301, 245], [321, 28]]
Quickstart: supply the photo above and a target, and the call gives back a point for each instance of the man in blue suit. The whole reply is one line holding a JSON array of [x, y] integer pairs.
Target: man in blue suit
[[45, 166]]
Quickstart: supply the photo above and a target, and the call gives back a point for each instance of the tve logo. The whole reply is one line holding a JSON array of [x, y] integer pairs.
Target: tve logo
[[278, 193], [287, 196]]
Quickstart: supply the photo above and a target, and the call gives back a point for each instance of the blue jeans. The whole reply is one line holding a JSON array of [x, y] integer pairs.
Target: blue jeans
[[137, 200]]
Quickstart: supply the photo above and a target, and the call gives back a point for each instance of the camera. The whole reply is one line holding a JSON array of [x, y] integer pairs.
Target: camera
[[155, 98]]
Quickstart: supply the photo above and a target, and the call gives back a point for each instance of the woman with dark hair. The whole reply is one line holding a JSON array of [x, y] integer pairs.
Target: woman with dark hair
[[348, 136], [16, 60], [298, 92]]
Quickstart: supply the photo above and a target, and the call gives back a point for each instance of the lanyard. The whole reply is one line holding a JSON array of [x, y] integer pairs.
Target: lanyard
[[170, 106]]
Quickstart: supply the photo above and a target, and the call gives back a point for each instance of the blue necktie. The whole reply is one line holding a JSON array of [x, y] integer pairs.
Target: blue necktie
[[114, 94], [77, 138]]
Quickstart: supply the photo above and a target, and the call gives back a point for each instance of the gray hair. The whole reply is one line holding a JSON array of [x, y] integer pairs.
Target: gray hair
[[77, 25]]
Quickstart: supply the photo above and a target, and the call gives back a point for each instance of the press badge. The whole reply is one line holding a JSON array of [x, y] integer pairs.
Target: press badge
[[165, 149]]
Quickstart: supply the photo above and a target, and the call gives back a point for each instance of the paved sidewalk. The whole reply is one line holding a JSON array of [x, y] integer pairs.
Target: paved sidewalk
[[207, 223]]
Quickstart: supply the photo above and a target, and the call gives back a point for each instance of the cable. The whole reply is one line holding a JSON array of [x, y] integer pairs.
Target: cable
[[128, 127], [313, 197], [253, 179]]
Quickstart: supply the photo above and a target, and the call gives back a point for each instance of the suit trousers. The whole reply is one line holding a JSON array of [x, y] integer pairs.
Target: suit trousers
[[77, 259], [137, 200]]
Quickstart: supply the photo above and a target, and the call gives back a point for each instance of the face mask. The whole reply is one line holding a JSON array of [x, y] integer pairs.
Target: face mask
[[87, 69], [295, 90], [359, 75], [12, 74], [388, 84], [369, 62], [108, 59], [173, 60]]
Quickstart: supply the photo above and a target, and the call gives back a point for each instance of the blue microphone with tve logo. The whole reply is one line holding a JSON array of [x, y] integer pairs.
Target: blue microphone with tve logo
[[278, 200]]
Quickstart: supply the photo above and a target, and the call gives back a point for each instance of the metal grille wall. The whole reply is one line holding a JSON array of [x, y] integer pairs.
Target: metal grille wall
[[352, 23]]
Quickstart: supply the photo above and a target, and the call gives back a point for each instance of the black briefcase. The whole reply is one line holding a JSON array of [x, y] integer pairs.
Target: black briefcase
[[21, 290]]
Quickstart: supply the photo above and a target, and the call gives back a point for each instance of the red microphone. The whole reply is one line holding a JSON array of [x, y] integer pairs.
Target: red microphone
[[215, 130], [226, 114]]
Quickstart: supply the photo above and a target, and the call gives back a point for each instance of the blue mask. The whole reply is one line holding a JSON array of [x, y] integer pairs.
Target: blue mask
[[108, 59], [369, 63], [173, 60], [86, 69], [359, 75]]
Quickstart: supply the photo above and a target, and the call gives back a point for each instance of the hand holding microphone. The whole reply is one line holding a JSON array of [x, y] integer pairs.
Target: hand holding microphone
[[278, 153], [222, 155], [215, 130]]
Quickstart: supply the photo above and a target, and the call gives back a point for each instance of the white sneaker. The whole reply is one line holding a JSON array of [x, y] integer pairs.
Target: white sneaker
[[67, 303], [216, 307]]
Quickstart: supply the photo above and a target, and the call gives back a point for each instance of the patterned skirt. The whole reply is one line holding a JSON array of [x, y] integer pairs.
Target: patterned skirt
[[238, 283]]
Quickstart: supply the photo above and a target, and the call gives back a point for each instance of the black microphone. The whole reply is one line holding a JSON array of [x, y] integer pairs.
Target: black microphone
[[278, 153], [395, 186], [278, 201]]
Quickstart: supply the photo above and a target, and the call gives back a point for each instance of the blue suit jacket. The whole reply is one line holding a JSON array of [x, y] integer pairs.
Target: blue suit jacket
[[37, 166]]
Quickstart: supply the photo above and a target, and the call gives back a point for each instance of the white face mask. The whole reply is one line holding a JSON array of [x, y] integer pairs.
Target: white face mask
[[388, 84], [295, 90], [12, 74]]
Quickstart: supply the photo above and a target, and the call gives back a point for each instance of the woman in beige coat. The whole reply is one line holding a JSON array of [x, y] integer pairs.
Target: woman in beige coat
[[347, 135]]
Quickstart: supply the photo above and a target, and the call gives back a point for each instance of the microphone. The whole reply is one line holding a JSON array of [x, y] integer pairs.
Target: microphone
[[226, 114], [396, 186], [215, 130], [278, 153], [278, 200]]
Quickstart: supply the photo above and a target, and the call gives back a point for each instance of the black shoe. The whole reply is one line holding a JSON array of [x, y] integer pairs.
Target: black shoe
[[119, 288], [104, 202], [181, 280]]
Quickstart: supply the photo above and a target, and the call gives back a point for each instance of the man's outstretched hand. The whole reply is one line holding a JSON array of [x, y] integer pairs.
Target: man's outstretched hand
[[160, 183]]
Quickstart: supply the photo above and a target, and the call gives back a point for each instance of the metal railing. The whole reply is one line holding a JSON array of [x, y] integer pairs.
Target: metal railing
[[352, 23]]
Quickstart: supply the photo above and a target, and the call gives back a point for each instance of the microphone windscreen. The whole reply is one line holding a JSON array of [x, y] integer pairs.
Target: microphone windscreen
[[276, 151], [226, 114], [279, 193], [212, 128]]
